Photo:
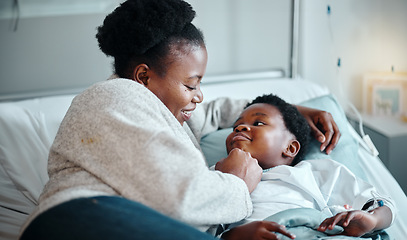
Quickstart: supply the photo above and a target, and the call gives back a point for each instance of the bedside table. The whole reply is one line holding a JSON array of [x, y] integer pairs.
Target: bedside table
[[389, 135]]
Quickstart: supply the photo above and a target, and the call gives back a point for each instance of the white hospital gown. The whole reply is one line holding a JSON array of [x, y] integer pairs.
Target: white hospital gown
[[324, 185]]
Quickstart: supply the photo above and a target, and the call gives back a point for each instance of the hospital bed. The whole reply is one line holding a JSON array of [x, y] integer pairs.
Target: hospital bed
[[29, 121], [29, 126]]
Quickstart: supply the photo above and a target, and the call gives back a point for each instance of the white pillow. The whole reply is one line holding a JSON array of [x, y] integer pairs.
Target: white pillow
[[27, 129], [291, 90], [24, 147]]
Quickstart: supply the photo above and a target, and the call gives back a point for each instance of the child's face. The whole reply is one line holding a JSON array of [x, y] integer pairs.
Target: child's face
[[260, 130]]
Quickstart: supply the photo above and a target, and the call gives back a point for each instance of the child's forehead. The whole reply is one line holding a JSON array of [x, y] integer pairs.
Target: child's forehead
[[261, 109]]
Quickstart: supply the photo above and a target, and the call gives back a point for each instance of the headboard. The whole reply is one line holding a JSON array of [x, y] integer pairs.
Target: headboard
[[58, 54]]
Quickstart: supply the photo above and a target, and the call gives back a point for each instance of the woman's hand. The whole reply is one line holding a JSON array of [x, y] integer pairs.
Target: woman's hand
[[242, 165], [257, 230], [323, 127]]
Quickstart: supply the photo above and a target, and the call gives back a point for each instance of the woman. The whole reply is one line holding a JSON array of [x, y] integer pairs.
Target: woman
[[122, 141]]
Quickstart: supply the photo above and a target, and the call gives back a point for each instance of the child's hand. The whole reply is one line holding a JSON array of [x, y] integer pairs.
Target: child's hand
[[257, 230], [355, 223]]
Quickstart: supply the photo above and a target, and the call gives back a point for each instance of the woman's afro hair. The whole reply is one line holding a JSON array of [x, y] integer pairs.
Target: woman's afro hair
[[137, 25], [294, 121]]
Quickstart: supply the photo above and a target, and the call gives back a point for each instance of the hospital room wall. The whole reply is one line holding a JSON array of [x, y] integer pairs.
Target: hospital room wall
[[55, 51], [367, 36], [51, 53]]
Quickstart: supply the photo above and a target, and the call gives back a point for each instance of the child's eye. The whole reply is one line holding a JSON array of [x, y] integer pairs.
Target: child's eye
[[257, 123]]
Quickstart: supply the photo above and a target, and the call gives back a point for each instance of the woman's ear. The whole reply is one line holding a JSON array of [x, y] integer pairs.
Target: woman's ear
[[292, 149], [141, 74]]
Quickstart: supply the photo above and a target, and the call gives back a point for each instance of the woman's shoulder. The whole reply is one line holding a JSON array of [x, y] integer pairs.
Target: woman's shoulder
[[116, 86], [116, 91], [121, 99]]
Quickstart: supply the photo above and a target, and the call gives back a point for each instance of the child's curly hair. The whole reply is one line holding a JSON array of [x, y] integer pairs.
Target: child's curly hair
[[293, 120]]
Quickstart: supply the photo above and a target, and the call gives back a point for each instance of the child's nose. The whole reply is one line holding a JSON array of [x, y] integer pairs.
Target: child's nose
[[242, 127]]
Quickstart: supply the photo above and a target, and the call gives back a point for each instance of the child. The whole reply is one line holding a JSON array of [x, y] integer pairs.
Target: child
[[276, 134]]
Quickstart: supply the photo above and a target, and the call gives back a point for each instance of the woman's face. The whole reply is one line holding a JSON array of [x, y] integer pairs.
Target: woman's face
[[179, 89]]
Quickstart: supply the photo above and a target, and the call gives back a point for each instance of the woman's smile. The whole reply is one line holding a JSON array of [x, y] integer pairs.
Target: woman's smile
[[186, 114]]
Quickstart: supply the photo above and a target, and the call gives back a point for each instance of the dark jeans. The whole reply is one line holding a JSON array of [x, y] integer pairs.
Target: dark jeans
[[108, 218]]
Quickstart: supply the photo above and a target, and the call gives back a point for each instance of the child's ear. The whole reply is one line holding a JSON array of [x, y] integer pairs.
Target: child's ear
[[292, 149], [141, 74]]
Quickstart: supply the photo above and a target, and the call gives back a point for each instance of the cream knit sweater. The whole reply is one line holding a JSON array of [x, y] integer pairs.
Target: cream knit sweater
[[118, 138]]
